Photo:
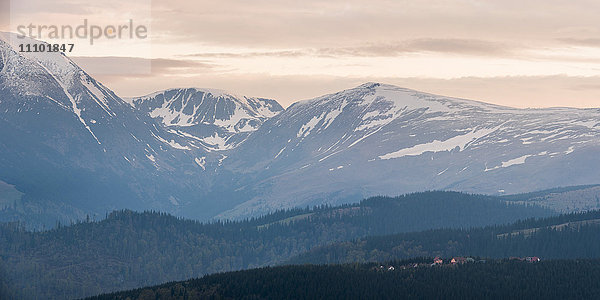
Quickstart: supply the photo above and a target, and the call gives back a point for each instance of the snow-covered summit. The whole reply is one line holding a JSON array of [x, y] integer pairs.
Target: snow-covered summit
[[193, 106], [378, 138], [56, 78], [403, 98], [218, 120]]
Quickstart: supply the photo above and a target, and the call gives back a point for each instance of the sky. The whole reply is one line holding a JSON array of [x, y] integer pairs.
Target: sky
[[535, 53]]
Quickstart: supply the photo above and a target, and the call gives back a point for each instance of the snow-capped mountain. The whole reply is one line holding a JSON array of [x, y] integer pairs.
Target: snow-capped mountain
[[71, 147], [382, 139], [212, 119]]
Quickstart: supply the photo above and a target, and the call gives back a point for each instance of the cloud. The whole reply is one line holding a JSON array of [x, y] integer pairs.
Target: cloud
[[591, 42], [292, 24], [4, 15], [251, 54], [78, 8], [140, 67], [35, 7], [444, 46]]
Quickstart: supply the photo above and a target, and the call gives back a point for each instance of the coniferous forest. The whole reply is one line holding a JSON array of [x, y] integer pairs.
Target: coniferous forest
[[526, 238], [501, 279], [128, 249]]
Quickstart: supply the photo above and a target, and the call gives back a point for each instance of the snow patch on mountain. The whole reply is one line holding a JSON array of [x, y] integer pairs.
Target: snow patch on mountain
[[235, 122], [279, 153], [516, 161], [460, 141], [217, 119], [332, 115], [151, 157], [171, 143], [216, 142], [171, 117], [310, 125], [95, 92], [194, 106], [201, 162], [76, 109], [403, 99]]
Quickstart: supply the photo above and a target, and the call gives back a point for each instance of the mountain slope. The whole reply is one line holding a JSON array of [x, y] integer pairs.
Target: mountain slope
[[381, 139], [571, 199], [73, 147], [212, 119]]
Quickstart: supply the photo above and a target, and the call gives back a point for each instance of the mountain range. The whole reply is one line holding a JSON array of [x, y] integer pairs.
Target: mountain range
[[70, 147]]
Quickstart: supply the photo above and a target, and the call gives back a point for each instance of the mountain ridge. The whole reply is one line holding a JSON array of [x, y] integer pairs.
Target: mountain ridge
[[374, 123], [204, 153], [217, 120]]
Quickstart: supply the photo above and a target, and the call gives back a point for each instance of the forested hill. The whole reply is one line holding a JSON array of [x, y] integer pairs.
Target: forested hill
[[565, 236], [491, 280], [129, 249]]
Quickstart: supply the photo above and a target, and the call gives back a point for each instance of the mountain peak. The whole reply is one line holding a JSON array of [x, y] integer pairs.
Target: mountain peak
[[384, 94], [193, 106], [51, 78], [214, 118], [218, 93], [368, 85], [379, 85]]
